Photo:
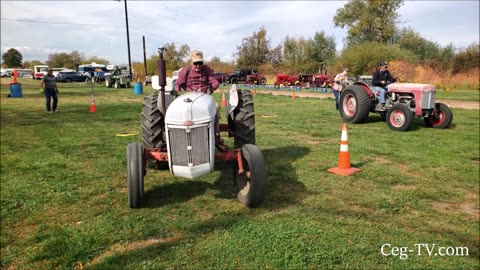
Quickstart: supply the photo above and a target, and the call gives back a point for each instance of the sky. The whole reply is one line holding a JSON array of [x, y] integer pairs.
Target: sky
[[98, 28]]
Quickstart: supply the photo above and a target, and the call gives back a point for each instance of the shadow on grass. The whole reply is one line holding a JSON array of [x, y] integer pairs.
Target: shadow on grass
[[282, 187], [174, 193]]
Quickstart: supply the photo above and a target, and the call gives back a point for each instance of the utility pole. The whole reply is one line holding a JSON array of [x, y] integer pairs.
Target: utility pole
[[144, 58], [128, 42]]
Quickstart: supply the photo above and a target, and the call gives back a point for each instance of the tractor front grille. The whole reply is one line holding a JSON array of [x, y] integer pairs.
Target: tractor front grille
[[428, 100], [189, 147]]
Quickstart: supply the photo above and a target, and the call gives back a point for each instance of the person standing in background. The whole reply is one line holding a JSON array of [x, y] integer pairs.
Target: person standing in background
[[339, 83], [48, 86]]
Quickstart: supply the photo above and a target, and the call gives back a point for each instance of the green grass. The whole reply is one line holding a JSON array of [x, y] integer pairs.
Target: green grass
[[64, 197]]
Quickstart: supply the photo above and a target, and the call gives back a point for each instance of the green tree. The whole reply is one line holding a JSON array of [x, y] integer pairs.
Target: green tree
[[63, 59], [322, 49], [364, 58], [31, 64], [96, 59], [305, 55], [174, 59], [12, 58], [275, 56], [254, 50], [466, 59], [369, 20]]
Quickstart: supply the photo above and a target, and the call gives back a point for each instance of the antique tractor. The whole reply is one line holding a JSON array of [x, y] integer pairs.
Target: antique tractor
[[256, 78], [182, 133], [403, 102], [284, 79], [119, 78]]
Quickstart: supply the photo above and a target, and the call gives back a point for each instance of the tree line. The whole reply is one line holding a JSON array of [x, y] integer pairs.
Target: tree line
[[370, 39]]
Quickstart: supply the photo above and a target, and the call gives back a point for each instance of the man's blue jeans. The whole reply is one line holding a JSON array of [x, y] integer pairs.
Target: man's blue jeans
[[337, 98], [381, 93], [51, 93]]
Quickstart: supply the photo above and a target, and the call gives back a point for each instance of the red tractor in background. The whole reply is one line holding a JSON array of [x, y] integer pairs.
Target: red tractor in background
[[256, 78], [322, 79], [284, 79]]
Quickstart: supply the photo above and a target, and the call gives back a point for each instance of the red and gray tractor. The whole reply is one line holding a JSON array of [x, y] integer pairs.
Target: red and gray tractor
[[183, 134], [404, 101]]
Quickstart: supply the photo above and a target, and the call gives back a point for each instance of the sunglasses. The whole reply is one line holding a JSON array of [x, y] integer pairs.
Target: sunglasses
[[198, 63]]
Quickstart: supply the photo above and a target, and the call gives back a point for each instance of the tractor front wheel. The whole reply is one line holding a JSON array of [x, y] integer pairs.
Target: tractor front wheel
[[250, 184], [443, 118], [135, 172], [354, 104], [399, 117], [244, 117], [117, 84]]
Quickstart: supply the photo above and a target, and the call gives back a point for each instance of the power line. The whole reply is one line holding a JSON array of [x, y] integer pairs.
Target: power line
[[86, 24]]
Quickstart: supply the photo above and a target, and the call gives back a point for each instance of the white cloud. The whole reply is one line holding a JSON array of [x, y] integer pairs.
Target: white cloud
[[217, 27]]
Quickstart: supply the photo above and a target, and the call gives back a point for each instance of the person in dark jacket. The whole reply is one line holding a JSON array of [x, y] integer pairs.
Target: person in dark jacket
[[380, 79], [49, 87]]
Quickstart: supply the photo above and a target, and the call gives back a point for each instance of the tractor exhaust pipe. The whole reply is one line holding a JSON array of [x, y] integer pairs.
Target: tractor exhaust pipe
[[162, 78]]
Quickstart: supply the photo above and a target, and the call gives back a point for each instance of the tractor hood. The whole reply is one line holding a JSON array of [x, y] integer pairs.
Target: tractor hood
[[191, 109], [410, 87]]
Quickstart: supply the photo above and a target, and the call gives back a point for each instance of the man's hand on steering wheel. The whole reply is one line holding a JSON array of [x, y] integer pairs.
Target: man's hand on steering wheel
[[186, 86]]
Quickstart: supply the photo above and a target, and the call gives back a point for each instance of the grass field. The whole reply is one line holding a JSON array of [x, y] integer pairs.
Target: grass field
[[64, 197]]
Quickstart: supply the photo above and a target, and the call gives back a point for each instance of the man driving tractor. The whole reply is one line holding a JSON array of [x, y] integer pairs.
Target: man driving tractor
[[380, 79], [197, 76]]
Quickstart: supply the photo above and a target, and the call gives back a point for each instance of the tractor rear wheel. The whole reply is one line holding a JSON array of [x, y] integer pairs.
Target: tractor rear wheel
[[263, 81], [153, 124], [244, 118], [444, 117], [354, 104], [135, 173], [399, 117], [250, 185]]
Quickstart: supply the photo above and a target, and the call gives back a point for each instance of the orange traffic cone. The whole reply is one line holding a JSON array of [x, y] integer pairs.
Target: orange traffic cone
[[138, 77], [224, 101], [254, 92], [293, 95], [93, 108], [15, 75], [344, 157]]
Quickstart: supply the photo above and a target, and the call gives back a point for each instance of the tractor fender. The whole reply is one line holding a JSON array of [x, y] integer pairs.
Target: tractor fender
[[232, 99], [366, 88]]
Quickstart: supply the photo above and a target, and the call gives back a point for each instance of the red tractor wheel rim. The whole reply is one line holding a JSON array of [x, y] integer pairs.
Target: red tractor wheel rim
[[397, 118], [439, 119], [350, 105]]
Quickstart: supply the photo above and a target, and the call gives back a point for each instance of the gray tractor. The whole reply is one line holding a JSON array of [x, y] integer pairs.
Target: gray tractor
[[183, 134]]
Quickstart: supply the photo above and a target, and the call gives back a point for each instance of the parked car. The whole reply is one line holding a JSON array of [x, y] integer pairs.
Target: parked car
[[240, 75], [221, 77], [70, 76], [6, 73], [366, 79]]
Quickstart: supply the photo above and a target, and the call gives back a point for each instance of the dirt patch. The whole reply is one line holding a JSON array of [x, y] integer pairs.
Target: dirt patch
[[467, 105], [469, 206], [361, 209], [132, 246], [404, 187]]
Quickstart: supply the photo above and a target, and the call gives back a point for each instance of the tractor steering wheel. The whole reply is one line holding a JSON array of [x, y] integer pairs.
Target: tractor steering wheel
[[192, 85]]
